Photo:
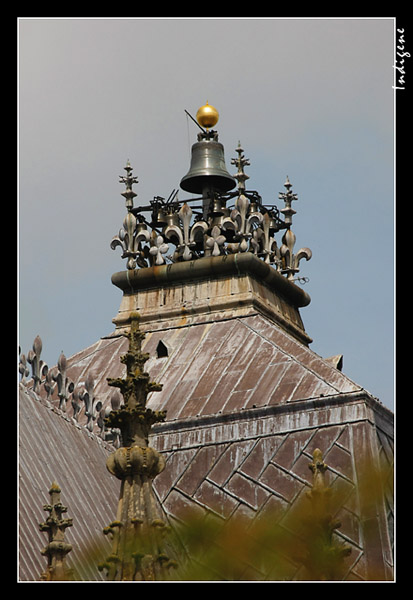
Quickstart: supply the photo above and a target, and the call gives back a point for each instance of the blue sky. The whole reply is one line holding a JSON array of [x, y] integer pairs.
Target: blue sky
[[307, 98]]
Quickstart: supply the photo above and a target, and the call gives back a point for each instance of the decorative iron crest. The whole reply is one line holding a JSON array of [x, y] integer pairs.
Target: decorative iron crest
[[169, 231], [60, 393]]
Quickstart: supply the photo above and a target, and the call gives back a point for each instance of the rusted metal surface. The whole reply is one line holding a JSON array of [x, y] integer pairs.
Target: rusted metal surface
[[218, 367]]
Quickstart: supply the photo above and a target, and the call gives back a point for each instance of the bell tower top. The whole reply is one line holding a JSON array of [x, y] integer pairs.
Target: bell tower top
[[223, 237]]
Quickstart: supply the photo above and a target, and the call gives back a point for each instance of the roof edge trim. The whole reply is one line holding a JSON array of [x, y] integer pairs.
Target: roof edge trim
[[384, 413]]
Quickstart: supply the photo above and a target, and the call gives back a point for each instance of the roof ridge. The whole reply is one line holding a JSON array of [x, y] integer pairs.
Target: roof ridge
[[97, 346], [60, 413], [297, 360]]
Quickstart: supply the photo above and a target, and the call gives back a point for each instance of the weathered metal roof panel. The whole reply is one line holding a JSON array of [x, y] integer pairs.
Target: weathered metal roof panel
[[53, 448], [217, 367], [256, 465], [227, 367], [246, 406]]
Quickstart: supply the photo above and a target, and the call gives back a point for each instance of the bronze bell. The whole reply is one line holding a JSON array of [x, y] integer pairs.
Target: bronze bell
[[207, 170], [160, 216]]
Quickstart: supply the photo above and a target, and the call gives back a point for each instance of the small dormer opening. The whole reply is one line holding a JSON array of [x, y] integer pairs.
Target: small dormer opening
[[336, 361], [161, 350]]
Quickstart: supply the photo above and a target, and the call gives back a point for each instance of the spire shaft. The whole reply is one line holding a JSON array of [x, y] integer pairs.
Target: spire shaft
[[57, 548], [137, 533]]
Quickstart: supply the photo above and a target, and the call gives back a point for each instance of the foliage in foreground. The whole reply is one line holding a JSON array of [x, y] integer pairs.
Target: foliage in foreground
[[300, 544]]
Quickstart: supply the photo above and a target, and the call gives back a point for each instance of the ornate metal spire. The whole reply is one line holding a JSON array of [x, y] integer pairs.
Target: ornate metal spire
[[240, 163], [134, 232], [57, 549], [129, 180], [290, 261], [288, 197], [137, 552]]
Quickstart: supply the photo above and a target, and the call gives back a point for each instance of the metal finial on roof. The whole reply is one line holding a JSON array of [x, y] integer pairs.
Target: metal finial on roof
[[92, 403], [290, 260], [129, 180], [134, 230], [39, 367], [288, 197], [65, 385], [240, 163], [23, 369], [57, 549]]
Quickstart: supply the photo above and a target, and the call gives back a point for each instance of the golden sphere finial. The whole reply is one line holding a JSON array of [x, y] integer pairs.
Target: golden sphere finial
[[207, 116]]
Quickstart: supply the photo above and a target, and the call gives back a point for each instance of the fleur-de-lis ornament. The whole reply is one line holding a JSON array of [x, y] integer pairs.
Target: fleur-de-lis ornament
[[76, 404], [130, 239], [270, 248], [290, 261], [158, 248], [214, 242], [242, 222], [247, 226], [65, 385], [185, 214], [23, 368], [48, 385], [184, 236], [39, 368], [92, 404]]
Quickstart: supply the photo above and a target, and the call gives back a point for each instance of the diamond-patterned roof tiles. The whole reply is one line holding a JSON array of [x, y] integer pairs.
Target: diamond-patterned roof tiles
[[266, 477]]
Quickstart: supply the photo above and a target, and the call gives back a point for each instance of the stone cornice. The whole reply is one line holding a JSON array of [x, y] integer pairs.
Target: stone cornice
[[259, 422], [211, 267]]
